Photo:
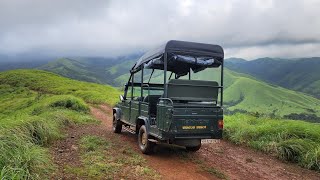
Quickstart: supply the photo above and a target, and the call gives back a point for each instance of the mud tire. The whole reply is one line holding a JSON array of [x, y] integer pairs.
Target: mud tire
[[116, 125], [145, 146]]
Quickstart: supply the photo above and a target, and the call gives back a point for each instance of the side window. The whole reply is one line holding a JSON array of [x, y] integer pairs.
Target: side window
[[129, 95], [136, 92]]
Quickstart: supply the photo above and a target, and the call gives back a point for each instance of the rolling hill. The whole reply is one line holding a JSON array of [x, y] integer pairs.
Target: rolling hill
[[77, 70], [47, 82], [97, 70], [297, 74], [251, 95], [243, 92]]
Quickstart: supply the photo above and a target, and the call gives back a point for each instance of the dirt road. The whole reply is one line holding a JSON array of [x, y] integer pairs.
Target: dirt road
[[221, 160]]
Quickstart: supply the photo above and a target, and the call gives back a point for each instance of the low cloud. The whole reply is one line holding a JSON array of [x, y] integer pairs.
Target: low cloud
[[246, 29]]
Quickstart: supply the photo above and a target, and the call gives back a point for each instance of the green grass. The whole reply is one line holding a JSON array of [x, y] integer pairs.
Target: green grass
[[49, 83], [294, 141], [255, 96], [215, 172], [24, 138], [105, 159], [34, 107]]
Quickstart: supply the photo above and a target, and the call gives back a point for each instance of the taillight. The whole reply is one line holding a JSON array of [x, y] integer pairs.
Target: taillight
[[220, 124]]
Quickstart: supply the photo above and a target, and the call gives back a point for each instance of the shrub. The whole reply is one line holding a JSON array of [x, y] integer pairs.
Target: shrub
[[294, 149], [70, 102]]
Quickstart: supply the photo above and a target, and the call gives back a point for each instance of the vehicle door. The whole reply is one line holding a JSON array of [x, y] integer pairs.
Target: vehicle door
[[125, 108], [135, 104], [134, 110]]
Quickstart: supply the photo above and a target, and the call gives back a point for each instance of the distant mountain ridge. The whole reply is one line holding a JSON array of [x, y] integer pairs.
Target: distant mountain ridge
[[23, 61], [301, 74]]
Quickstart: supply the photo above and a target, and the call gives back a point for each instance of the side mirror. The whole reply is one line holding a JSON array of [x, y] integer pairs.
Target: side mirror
[[121, 98]]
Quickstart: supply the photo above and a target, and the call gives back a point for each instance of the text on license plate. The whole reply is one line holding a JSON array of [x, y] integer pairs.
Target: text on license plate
[[194, 127], [210, 141]]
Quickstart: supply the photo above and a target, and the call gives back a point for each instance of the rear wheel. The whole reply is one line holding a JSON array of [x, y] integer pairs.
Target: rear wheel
[[116, 124], [193, 148], [145, 146]]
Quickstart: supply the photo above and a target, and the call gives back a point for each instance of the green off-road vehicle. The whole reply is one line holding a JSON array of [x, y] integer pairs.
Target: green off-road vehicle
[[180, 110]]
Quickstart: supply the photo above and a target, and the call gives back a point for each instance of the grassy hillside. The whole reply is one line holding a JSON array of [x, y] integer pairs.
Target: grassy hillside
[[246, 94], [121, 68], [294, 141], [97, 70], [256, 96], [34, 106], [46, 82], [297, 74], [72, 69]]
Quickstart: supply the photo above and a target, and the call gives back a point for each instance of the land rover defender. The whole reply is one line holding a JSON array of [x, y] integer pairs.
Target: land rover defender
[[179, 110]]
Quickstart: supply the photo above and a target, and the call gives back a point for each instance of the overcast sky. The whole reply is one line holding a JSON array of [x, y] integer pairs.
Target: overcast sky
[[246, 29]]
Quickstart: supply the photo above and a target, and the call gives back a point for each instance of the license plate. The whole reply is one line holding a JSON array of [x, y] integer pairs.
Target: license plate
[[209, 141]]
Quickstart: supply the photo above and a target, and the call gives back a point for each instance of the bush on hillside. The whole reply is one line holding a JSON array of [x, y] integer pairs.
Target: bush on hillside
[[303, 116], [70, 102]]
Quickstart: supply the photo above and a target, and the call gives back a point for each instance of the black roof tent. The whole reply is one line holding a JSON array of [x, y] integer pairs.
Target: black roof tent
[[182, 56]]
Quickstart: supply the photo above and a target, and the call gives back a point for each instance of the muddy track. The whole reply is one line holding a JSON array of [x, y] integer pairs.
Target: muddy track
[[235, 162]]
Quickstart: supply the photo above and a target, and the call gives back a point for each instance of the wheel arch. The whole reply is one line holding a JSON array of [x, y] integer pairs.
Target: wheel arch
[[117, 112], [141, 120]]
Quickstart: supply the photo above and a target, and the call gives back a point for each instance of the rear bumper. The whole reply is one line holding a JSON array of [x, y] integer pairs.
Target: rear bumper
[[176, 135]]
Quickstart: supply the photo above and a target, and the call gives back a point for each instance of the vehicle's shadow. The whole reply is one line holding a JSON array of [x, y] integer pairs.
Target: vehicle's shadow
[[160, 150]]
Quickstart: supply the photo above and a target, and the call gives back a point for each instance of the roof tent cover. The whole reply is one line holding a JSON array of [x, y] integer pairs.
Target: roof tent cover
[[182, 56]]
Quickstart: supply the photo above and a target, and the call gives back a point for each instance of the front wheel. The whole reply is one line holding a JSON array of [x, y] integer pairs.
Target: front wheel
[[116, 124], [145, 146]]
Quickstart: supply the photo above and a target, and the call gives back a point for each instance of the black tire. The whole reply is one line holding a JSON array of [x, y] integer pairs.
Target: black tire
[[193, 148], [116, 124], [145, 146]]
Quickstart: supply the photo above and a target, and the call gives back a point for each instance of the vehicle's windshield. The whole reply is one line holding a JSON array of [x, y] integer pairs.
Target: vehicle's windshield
[[152, 91]]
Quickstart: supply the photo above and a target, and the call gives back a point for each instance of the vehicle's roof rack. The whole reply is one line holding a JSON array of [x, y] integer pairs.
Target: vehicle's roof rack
[[182, 56]]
